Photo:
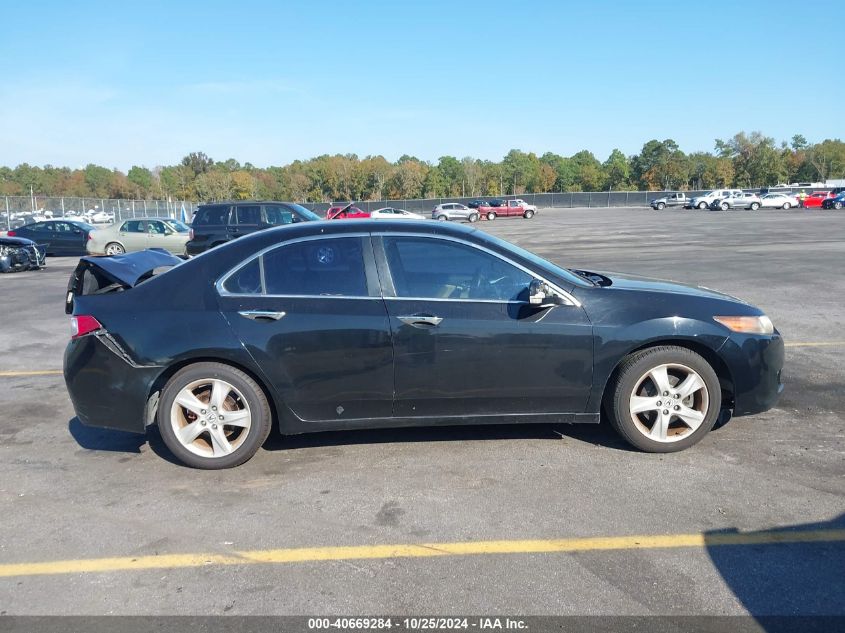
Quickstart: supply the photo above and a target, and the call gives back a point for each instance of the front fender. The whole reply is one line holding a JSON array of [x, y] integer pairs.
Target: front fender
[[612, 343]]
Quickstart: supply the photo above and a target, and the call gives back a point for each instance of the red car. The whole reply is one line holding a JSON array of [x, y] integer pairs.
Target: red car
[[345, 213], [815, 199]]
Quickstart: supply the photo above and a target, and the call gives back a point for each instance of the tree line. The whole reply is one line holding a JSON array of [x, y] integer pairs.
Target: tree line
[[745, 160]]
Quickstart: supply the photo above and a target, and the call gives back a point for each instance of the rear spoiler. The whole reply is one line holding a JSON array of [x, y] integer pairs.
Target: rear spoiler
[[100, 275]]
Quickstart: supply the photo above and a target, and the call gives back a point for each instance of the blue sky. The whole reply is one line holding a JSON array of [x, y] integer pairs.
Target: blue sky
[[269, 82]]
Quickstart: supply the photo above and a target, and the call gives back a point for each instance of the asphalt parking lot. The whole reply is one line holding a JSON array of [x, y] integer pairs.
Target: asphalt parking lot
[[751, 520]]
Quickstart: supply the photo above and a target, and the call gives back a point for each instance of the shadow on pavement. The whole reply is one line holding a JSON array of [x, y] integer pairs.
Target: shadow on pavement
[[786, 586]]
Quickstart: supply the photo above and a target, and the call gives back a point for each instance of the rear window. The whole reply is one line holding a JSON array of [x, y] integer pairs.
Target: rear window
[[217, 214]]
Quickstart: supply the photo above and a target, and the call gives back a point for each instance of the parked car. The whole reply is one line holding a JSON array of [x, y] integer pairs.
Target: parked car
[[737, 200], [221, 222], [669, 200], [815, 199], [392, 213], [347, 212], [778, 201], [836, 202], [496, 202], [59, 237], [19, 254], [138, 234], [705, 200], [474, 204], [454, 211], [98, 217], [274, 341], [512, 208]]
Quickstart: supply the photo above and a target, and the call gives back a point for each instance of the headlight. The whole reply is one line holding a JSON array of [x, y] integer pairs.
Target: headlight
[[747, 324]]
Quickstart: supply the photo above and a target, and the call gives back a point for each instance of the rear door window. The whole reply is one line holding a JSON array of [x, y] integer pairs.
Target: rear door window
[[248, 214], [325, 267], [210, 216], [133, 226]]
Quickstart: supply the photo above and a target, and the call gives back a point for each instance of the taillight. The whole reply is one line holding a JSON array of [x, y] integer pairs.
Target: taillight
[[82, 325], [191, 234], [11, 233], [89, 237]]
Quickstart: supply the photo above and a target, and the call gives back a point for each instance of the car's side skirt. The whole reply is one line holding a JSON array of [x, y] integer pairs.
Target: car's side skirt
[[294, 427]]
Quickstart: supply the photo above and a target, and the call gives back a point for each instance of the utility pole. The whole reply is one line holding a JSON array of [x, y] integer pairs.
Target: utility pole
[[32, 198]]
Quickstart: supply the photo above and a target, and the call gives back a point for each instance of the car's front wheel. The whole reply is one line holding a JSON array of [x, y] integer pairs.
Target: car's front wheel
[[528, 214], [664, 399], [213, 416], [660, 206], [837, 205]]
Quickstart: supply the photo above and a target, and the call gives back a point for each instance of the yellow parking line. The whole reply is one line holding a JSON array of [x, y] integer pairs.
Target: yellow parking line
[[816, 344], [421, 550], [39, 372]]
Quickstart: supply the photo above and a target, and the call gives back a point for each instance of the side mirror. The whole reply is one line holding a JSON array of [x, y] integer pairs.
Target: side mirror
[[541, 296]]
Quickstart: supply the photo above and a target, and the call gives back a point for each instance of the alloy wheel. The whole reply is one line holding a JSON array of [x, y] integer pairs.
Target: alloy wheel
[[669, 402], [210, 417]]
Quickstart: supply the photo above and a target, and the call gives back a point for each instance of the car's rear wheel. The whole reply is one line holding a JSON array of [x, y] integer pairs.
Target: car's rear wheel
[[113, 248], [660, 206], [213, 416], [786, 206], [442, 218], [473, 217], [702, 205], [491, 216], [528, 214], [754, 206], [664, 399]]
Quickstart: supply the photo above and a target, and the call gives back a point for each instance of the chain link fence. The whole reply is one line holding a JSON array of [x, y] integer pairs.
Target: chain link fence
[[19, 210]]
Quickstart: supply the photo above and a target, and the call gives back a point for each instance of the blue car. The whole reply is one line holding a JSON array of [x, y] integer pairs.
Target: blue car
[[834, 203]]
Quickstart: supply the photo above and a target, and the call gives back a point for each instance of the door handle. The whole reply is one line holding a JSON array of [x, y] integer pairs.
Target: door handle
[[421, 320], [260, 315]]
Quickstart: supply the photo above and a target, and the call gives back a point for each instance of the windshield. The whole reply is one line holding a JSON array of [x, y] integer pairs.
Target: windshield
[[179, 226], [540, 263]]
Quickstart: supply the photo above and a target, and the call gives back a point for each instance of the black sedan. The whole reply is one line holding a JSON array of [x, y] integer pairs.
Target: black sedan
[[61, 237], [478, 202], [369, 324]]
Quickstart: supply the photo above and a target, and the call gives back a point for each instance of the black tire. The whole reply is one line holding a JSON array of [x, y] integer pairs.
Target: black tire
[[837, 205], [261, 417], [491, 216], [473, 217], [702, 205], [724, 206], [528, 214], [632, 368], [786, 206], [660, 206], [754, 206], [442, 218]]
